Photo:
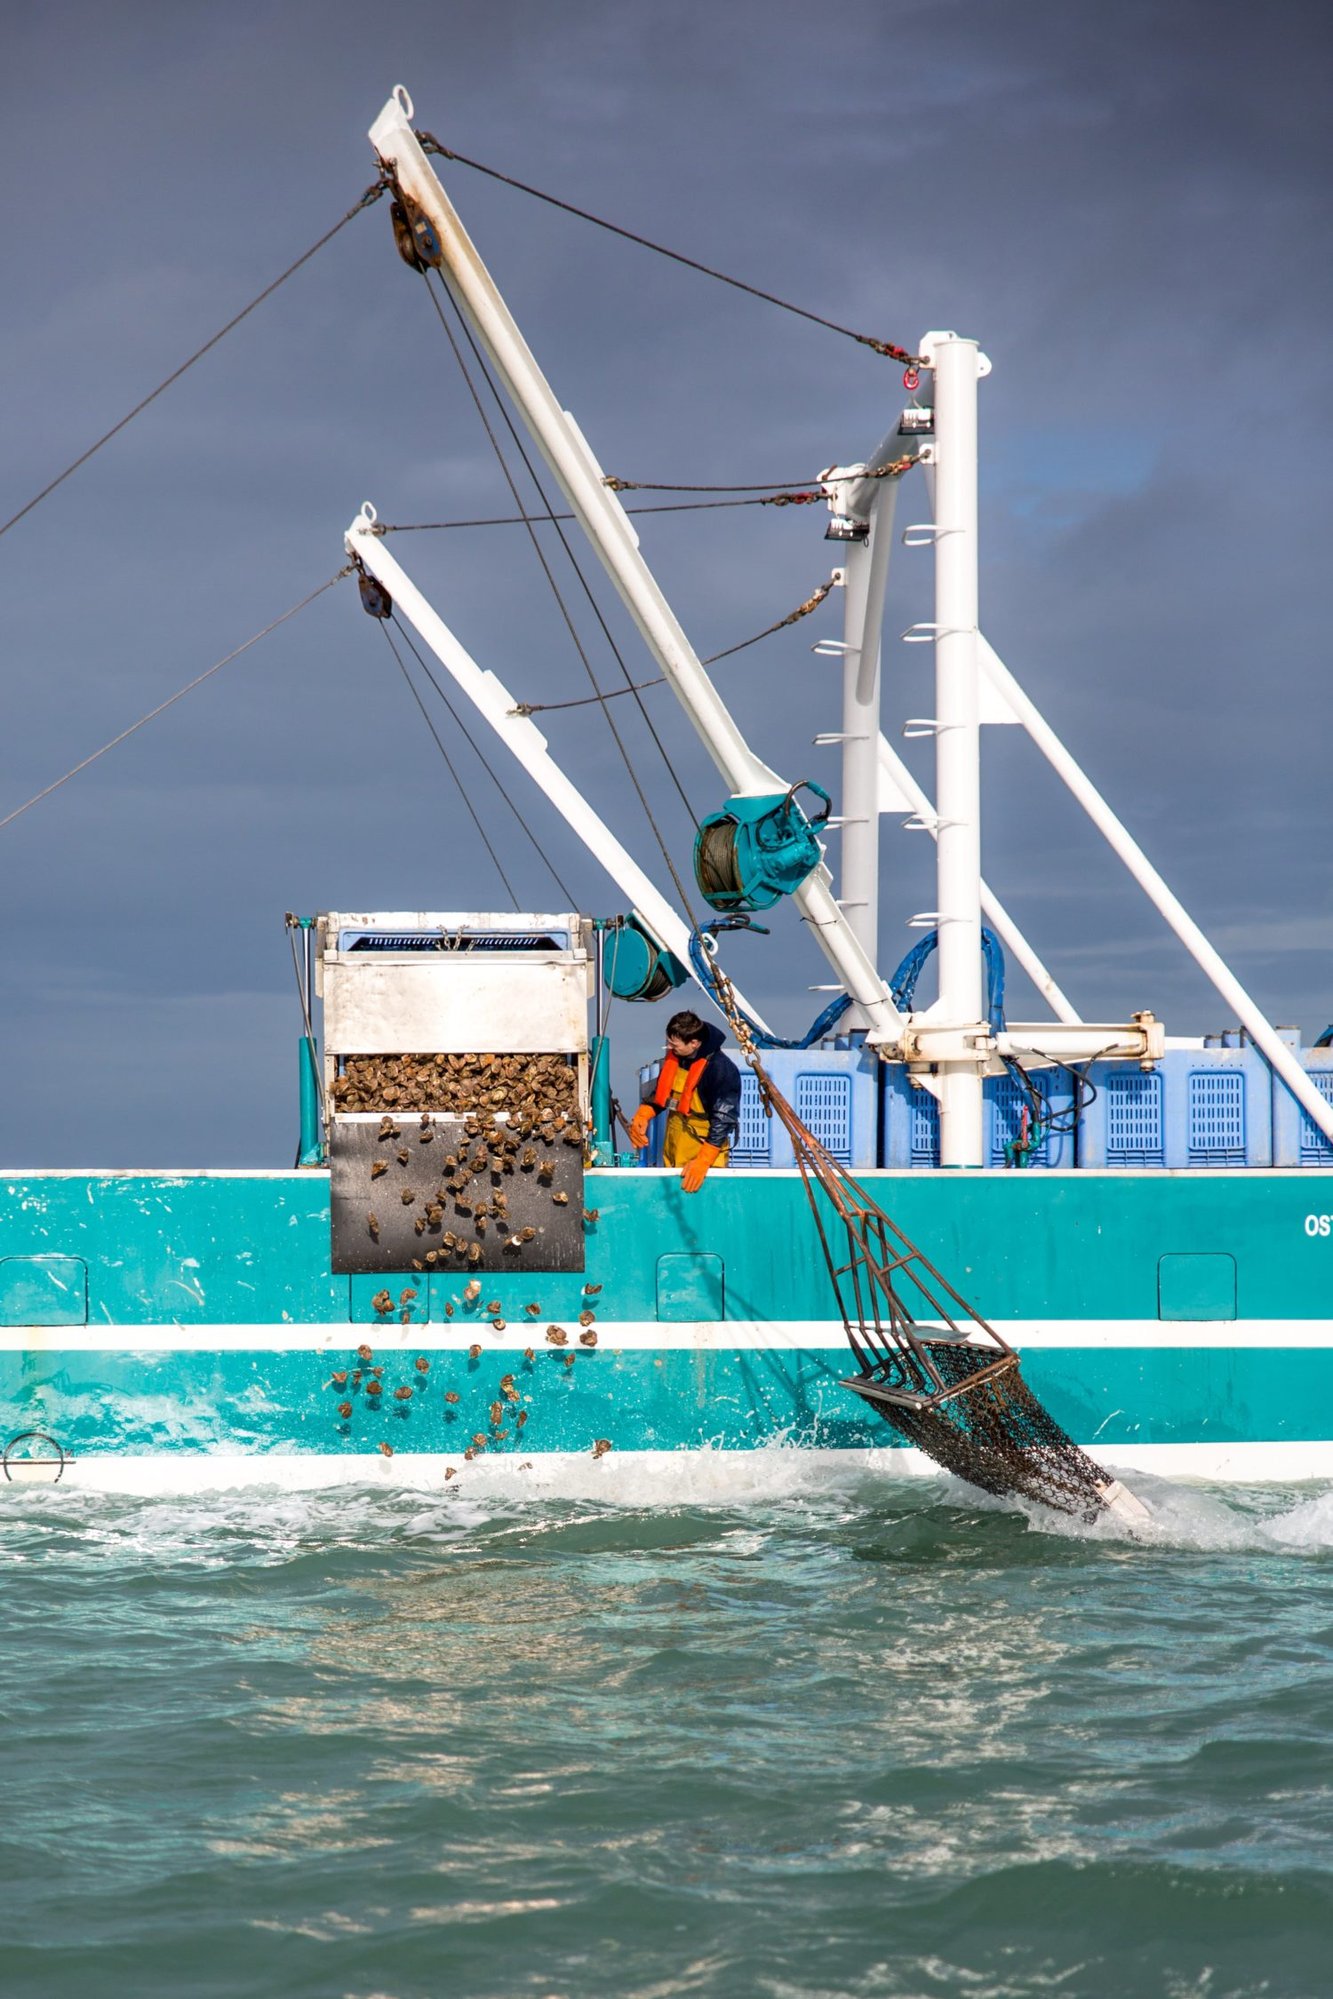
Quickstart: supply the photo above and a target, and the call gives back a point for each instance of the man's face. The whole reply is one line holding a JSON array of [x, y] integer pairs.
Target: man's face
[[684, 1051]]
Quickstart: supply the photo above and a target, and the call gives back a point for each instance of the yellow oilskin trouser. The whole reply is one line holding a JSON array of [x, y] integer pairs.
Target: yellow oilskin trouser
[[687, 1135]]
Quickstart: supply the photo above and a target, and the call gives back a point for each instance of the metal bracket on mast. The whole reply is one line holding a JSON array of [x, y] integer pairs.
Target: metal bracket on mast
[[603, 520]]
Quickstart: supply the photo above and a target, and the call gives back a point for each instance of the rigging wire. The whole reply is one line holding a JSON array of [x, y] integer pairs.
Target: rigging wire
[[888, 348], [171, 699], [372, 194], [584, 585], [483, 760], [619, 485], [812, 603], [782, 499], [449, 764], [549, 574]]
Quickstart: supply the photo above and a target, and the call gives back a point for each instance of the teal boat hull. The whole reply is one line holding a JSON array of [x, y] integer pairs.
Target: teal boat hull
[[186, 1328]]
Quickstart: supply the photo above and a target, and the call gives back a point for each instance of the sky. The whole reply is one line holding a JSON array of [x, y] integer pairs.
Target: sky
[[1127, 204]]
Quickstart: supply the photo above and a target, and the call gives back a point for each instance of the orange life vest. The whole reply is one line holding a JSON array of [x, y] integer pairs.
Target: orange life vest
[[662, 1094]]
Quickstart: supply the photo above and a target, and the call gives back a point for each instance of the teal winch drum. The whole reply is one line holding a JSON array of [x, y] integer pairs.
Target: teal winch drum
[[635, 966], [756, 850]]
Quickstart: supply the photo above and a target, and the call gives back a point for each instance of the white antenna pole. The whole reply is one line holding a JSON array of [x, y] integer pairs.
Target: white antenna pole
[[612, 535], [957, 364], [521, 736]]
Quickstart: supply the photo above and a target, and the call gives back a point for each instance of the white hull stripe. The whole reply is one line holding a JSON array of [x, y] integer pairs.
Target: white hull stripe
[[701, 1477], [648, 1335]]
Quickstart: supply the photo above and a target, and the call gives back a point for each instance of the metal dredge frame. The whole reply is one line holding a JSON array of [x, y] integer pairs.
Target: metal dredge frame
[[954, 1389]]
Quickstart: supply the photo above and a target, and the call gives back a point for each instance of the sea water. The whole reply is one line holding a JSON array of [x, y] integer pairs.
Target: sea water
[[810, 1735]]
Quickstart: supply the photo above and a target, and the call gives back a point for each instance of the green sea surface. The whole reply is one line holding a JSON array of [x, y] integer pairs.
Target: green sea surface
[[809, 1736]]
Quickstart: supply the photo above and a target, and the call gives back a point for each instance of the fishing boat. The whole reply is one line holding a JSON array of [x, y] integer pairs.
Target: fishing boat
[[466, 1276]]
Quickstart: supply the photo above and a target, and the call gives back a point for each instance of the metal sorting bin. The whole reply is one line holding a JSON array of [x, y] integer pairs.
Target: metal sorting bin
[[452, 984]]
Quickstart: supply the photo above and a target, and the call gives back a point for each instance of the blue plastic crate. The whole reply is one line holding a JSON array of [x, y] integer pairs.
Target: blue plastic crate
[[1135, 1118], [1215, 1110], [1199, 1107]]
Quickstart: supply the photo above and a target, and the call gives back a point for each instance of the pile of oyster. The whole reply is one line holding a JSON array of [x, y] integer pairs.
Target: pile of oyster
[[531, 1089]]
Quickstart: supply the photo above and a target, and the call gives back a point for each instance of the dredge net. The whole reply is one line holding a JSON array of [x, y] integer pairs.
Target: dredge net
[[930, 1365]]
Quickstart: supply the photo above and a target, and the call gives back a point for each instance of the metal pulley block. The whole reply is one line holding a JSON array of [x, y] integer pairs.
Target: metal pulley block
[[415, 234]]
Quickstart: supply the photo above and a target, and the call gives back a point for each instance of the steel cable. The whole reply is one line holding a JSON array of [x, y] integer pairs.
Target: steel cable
[[550, 576], [371, 194], [888, 348], [171, 699], [482, 759]]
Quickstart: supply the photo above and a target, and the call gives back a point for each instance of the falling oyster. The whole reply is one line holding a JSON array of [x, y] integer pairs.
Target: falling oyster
[[402, 1394], [387, 1449], [474, 1351], [451, 1395], [588, 1339], [344, 1409], [377, 1166], [556, 1335], [422, 1364], [601, 1445]]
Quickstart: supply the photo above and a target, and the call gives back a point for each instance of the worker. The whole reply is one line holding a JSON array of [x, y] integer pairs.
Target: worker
[[699, 1088]]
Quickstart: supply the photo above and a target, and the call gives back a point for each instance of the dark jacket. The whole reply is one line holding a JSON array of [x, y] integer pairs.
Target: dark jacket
[[718, 1092]]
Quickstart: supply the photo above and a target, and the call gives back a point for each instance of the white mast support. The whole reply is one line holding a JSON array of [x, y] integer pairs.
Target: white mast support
[[957, 365], [1279, 1057], [525, 741], [865, 575], [612, 535], [900, 792]]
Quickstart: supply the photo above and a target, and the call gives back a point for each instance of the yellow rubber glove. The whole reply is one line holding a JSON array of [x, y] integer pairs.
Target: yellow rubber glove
[[696, 1172], [639, 1125]]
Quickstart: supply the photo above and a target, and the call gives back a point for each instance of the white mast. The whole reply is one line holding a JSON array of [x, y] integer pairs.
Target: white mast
[[612, 535], [957, 365]]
